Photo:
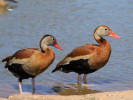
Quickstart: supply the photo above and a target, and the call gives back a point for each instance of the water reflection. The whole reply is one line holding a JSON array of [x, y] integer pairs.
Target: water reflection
[[6, 9], [27, 89], [3, 10], [73, 89]]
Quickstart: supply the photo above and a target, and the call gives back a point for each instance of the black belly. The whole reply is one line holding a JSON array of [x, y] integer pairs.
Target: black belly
[[18, 71], [79, 66]]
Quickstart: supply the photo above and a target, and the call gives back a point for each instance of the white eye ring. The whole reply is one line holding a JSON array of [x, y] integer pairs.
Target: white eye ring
[[106, 29]]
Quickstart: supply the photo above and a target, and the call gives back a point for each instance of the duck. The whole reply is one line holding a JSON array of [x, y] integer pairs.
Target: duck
[[30, 62], [90, 57]]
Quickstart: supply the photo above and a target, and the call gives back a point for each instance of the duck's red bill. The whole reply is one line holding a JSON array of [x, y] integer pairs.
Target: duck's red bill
[[112, 34], [57, 46]]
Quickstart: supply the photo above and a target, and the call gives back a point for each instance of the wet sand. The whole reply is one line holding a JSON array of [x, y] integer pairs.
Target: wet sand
[[118, 95]]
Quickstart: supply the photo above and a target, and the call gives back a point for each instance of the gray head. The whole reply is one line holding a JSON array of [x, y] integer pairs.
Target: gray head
[[49, 40], [104, 30]]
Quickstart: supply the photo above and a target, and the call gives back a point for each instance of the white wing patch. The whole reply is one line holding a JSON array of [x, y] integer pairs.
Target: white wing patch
[[18, 61], [69, 59]]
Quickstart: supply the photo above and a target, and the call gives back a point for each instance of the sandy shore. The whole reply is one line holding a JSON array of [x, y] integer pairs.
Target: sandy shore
[[119, 95]]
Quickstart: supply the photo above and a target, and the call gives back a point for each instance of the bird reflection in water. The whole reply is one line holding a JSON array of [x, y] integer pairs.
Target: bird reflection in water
[[3, 10], [73, 89]]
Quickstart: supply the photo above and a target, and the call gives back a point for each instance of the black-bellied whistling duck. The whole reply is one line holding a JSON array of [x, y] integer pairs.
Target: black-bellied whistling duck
[[90, 57], [31, 62]]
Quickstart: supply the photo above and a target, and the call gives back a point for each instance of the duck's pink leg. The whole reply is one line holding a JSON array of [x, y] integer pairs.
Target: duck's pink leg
[[33, 84], [20, 87]]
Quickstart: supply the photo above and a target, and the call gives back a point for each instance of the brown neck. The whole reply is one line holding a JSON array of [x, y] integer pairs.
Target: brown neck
[[104, 46], [49, 52], [101, 41]]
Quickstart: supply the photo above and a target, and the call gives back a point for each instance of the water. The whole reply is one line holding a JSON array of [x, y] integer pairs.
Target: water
[[72, 22]]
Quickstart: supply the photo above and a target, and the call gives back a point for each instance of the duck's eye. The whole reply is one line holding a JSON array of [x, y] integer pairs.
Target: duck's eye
[[106, 29], [53, 39]]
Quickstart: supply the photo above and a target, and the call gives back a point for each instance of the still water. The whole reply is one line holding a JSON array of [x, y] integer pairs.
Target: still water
[[72, 22]]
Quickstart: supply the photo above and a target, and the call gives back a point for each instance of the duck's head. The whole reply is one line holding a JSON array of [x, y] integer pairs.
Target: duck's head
[[49, 40], [104, 30]]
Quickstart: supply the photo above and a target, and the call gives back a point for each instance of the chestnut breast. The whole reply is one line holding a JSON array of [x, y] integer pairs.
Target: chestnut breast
[[101, 55], [39, 62]]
